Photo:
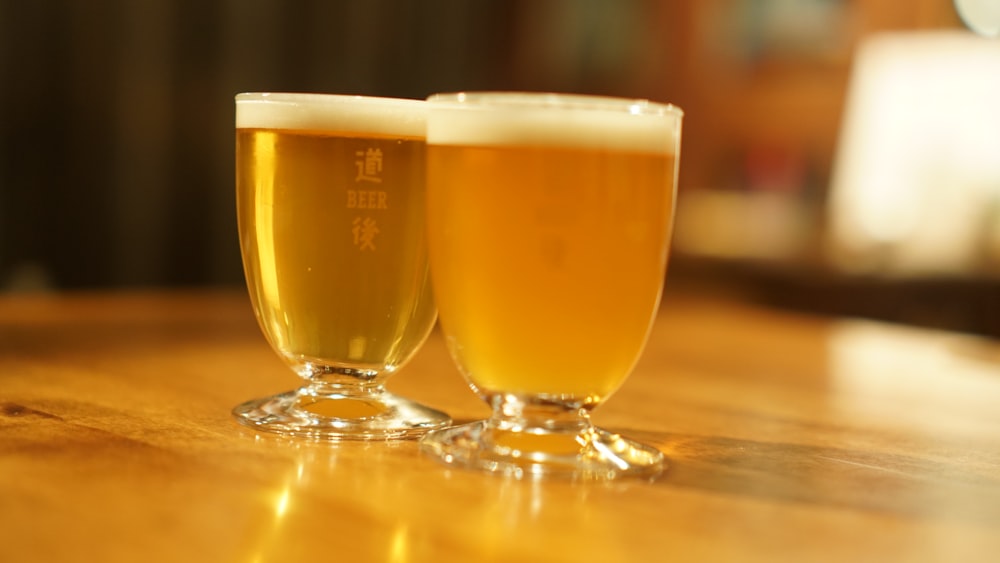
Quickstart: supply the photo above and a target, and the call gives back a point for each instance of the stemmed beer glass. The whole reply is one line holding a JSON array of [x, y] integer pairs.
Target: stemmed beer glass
[[549, 220], [330, 203]]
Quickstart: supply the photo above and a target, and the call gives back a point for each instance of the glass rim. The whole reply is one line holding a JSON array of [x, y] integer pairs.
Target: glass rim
[[553, 120], [344, 113], [515, 100], [310, 98]]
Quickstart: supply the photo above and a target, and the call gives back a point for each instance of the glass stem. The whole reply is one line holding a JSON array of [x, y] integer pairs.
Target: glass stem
[[516, 414], [334, 380]]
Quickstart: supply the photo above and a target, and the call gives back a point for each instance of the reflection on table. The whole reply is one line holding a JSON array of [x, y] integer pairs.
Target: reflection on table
[[789, 438]]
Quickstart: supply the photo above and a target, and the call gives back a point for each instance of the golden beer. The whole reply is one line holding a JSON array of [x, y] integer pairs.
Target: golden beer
[[331, 210], [337, 267], [549, 221], [548, 260]]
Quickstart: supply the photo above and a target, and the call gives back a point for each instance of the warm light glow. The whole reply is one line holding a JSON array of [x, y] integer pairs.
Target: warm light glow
[[269, 539], [870, 361], [916, 183], [264, 148], [399, 546], [281, 506], [982, 16]]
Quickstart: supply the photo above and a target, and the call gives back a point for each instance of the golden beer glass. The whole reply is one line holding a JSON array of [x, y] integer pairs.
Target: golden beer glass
[[549, 222], [331, 206]]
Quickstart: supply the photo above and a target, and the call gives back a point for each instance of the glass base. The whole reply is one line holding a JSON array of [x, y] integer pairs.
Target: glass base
[[373, 415], [581, 453]]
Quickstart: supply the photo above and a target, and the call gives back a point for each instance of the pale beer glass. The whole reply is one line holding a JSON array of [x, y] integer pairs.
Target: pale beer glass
[[331, 208], [549, 222]]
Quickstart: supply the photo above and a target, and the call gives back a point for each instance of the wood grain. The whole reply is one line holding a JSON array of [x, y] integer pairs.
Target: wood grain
[[790, 438]]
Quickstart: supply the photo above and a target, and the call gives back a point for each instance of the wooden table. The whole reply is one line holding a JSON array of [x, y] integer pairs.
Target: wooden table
[[790, 438]]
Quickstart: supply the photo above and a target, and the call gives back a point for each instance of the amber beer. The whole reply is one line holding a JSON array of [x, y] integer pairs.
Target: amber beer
[[549, 244], [330, 202]]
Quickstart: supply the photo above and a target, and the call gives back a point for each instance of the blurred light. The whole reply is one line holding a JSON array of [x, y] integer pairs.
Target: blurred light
[[730, 225], [955, 374], [916, 183], [982, 16], [265, 146], [281, 506], [399, 547]]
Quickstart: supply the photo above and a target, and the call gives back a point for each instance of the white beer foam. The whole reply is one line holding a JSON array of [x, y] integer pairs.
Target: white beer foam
[[553, 120], [331, 112]]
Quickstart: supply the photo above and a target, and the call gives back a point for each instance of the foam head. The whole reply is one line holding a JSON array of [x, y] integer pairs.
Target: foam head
[[331, 112], [553, 120]]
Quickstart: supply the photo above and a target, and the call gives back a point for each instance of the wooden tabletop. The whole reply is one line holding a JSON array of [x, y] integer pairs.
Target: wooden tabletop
[[789, 438]]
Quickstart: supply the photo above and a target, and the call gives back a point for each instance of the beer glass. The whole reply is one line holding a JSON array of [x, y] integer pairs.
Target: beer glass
[[549, 219], [330, 203]]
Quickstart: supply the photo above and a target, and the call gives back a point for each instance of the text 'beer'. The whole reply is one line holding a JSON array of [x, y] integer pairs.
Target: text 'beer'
[[331, 227]]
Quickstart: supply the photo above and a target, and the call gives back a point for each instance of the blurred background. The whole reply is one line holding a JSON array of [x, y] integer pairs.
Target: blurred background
[[839, 156]]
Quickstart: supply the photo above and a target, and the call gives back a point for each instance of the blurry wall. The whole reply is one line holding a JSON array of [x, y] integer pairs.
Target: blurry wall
[[116, 121], [116, 116], [765, 87]]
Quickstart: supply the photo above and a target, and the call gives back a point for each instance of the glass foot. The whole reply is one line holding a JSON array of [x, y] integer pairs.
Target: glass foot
[[586, 453], [377, 415]]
